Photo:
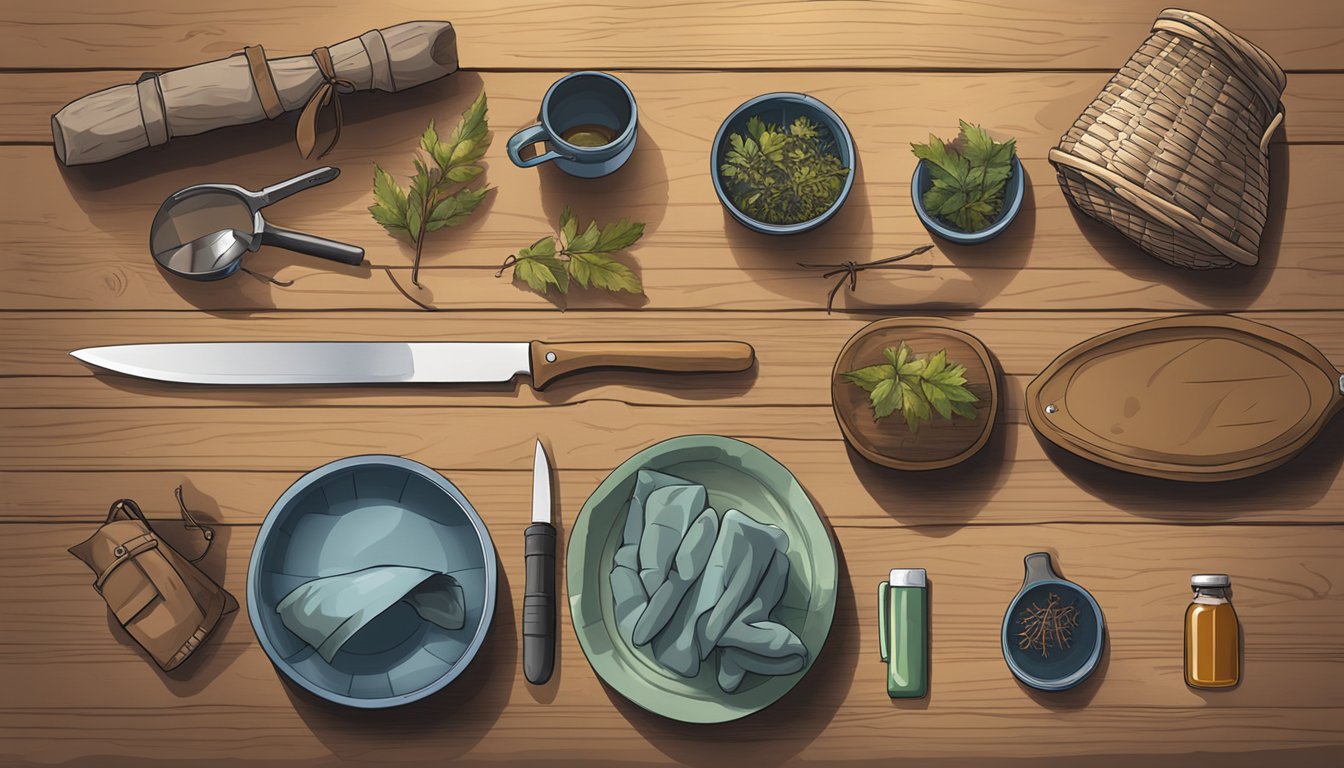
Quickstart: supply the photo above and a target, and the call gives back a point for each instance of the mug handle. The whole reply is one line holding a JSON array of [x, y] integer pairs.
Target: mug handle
[[527, 137]]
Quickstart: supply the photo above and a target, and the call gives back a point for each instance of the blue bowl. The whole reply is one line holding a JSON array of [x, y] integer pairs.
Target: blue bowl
[[1061, 669], [783, 109], [1012, 203], [358, 513]]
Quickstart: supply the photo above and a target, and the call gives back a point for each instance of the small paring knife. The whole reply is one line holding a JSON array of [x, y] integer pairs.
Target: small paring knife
[[266, 363], [539, 592]]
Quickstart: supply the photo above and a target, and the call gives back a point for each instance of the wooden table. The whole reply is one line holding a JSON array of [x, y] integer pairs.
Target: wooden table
[[74, 272]]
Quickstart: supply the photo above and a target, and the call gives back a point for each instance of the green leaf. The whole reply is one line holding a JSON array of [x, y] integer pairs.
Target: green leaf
[[539, 273], [455, 208], [969, 177], [430, 139], [916, 386], [463, 173], [618, 236], [938, 156], [602, 271], [870, 377], [569, 226], [389, 203], [586, 241], [886, 398]]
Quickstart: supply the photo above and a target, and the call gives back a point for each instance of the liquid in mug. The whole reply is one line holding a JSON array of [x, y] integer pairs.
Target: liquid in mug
[[588, 135], [1212, 634]]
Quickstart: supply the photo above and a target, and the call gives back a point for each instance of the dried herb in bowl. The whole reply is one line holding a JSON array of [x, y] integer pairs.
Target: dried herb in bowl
[[783, 176], [970, 177]]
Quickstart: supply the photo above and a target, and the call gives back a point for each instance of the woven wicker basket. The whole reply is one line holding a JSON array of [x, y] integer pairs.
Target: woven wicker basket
[[1174, 151]]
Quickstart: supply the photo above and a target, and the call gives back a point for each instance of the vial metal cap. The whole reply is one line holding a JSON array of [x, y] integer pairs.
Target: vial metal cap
[[908, 577], [1210, 580]]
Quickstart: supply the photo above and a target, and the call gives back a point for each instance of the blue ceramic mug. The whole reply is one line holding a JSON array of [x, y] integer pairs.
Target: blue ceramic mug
[[588, 123]]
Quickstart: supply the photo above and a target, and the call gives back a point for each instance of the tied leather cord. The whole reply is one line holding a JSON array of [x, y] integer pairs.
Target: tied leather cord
[[328, 93], [849, 270], [189, 522]]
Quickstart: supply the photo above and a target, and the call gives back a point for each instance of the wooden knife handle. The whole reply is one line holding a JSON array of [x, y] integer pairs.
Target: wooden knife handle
[[552, 360]]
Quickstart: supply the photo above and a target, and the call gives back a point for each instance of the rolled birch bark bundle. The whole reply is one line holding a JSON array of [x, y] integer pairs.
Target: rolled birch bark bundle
[[246, 88]]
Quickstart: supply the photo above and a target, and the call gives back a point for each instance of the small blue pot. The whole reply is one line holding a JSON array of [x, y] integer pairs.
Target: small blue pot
[[783, 109], [1012, 203], [1063, 668]]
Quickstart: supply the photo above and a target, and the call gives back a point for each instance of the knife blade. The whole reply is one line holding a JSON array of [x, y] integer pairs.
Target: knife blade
[[539, 592], [267, 363]]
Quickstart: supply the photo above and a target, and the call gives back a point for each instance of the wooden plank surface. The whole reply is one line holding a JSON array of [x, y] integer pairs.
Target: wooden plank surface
[[1287, 591], [960, 34], [74, 272], [76, 237]]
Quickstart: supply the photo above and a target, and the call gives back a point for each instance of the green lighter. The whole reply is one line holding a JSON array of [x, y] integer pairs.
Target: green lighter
[[903, 632]]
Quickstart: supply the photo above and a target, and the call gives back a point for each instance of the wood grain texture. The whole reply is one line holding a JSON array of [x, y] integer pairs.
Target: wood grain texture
[[1013, 34], [901, 98], [1286, 589], [74, 272], [693, 254], [1015, 479]]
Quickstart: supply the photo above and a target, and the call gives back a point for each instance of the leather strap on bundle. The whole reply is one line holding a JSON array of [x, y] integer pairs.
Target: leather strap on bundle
[[329, 93]]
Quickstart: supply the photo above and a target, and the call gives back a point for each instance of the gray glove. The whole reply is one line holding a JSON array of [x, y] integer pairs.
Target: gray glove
[[685, 583]]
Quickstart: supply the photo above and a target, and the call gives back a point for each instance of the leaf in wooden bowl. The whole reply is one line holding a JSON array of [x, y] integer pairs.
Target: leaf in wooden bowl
[[939, 442]]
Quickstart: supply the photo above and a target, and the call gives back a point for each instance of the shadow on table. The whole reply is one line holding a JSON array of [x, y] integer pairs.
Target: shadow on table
[[216, 654], [781, 730], [453, 719], [1298, 484]]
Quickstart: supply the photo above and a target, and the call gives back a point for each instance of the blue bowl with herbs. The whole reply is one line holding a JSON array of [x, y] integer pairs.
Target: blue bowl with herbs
[[783, 163], [970, 190]]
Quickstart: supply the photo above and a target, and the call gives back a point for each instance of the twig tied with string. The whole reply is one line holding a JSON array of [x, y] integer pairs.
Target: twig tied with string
[[849, 271]]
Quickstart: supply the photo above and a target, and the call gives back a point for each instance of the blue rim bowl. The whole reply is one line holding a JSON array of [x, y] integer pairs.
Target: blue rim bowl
[[358, 513], [1063, 670], [1012, 203], [783, 108]]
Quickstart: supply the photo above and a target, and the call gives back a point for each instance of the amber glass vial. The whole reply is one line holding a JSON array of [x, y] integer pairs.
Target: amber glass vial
[[1212, 634]]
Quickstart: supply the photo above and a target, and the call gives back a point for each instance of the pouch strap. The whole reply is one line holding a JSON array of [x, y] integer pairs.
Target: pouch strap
[[328, 93], [189, 521], [263, 82], [124, 553]]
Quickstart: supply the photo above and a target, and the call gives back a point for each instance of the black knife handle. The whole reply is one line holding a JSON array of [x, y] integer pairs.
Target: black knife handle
[[539, 603]]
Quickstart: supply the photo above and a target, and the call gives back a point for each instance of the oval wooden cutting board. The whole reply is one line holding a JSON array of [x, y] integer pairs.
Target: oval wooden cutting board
[[1197, 398], [939, 442]]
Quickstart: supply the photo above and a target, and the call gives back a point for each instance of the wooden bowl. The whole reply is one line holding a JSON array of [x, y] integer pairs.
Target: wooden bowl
[[939, 443]]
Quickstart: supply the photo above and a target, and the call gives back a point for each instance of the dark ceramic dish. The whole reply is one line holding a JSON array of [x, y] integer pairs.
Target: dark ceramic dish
[[1062, 668]]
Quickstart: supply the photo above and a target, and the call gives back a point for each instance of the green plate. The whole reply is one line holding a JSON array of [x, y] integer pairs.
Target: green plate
[[738, 476]]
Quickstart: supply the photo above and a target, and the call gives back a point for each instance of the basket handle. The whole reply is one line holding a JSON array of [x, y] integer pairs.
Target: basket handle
[[1269, 130]]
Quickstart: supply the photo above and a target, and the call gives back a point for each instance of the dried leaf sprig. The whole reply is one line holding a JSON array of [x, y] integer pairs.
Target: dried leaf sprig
[[431, 202], [783, 175], [1047, 626], [915, 386], [849, 271], [571, 257]]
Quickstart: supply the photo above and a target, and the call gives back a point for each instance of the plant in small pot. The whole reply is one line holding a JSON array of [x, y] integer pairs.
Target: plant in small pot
[[783, 163], [967, 191]]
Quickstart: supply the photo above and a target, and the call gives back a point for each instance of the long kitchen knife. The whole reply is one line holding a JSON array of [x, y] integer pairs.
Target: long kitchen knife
[[539, 590], [343, 362]]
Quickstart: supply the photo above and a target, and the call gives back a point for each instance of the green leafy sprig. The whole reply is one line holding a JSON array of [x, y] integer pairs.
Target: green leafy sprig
[[571, 257], [915, 386], [969, 177], [431, 204], [782, 177]]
